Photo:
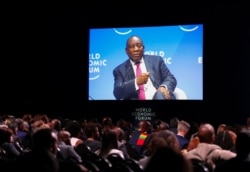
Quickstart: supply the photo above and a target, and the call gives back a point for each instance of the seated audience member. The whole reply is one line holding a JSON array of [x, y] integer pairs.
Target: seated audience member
[[154, 144], [93, 137], [27, 117], [158, 125], [206, 150], [127, 128], [225, 140], [75, 130], [168, 159], [55, 125], [65, 152], [109, 145], [182, 131], [170, 140], [121, 142], [63, 137], [42, 156], [47, 156], [138, 138], [107, 123], [125, 131], [173, 123], [83, 122], [240, 163], [8, 149], [22, 131]]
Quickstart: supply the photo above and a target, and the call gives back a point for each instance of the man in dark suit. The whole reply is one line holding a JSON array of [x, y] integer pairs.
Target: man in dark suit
[[158, 81]]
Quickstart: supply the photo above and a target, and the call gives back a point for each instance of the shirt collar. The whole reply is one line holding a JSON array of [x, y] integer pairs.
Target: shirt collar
[[133, 63]]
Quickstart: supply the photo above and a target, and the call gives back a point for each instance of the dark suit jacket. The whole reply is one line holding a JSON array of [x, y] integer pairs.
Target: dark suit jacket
[[67, 152], [124, 88]]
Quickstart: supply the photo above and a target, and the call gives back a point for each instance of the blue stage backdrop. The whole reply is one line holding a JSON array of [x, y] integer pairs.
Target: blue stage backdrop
[[181, 47]]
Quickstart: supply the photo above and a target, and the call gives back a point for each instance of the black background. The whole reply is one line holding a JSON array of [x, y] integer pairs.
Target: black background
[[45, 64]]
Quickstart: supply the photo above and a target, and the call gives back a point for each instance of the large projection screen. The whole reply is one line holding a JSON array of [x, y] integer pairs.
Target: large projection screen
[[181, 47]]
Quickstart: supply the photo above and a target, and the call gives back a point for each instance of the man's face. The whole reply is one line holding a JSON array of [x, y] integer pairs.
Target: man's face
[[135, 49]]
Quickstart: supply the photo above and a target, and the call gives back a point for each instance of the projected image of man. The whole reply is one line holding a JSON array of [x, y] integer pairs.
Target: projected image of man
[[142, 77]]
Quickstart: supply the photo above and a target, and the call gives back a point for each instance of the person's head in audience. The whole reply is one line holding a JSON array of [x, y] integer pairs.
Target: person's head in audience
[[109, 141], [39, 124], [42, 157], [64, 137], [74, 128], [120, 133], [5, 135], [221, 128], [83, 122], [224, 140], [127, 128], [55, 124], [22, 125], [183, 128], [121, 122], [10, 121], [173, 124], [140, 123], [42, 139], [92, 131], [206, 133], [156, 124], [156, 143], [27, 117], [109, 144], [168, 159], [170, 139], [107, 123], [144, 126], [159, 124], [164, 125], [43, 117]]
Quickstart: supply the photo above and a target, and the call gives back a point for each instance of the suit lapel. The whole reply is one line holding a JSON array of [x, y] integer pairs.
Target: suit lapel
[[129, 71], [148, 63]]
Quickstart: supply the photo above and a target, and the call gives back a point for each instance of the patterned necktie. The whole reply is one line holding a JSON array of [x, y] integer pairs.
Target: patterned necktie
[[141, 87]]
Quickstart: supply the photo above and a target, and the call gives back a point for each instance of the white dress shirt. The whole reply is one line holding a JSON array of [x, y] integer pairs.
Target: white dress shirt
[[149, 88]]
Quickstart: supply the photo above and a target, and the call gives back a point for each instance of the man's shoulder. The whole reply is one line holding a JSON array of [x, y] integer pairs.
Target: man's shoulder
[[155, 58], [122, 65], [204, 148], [151, 56]]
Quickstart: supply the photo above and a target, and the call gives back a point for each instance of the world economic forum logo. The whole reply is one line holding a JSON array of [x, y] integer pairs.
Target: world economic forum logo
[[95, 65]]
